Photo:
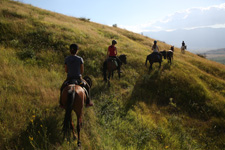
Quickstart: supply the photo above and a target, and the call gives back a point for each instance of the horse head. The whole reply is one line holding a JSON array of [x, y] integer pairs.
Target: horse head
[[163, 53], [172, 48], [123, 58]]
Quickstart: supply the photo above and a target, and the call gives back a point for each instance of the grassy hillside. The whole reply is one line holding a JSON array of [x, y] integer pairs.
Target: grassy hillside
[[179, 106]]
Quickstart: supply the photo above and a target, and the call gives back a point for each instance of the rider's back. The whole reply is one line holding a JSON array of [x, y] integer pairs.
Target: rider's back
[[112, 50], [73, 63]]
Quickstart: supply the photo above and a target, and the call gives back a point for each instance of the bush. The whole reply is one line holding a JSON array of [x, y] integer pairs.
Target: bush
[[85, 19], [27, 53]]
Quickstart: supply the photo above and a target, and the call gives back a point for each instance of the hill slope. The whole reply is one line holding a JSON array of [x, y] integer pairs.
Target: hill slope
[[179, 106]]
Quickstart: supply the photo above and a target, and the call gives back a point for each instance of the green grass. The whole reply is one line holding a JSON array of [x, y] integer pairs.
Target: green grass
[[179, 106]]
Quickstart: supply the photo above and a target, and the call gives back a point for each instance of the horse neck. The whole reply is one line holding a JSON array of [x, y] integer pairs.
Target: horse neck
[[120, 58], [163, 53]]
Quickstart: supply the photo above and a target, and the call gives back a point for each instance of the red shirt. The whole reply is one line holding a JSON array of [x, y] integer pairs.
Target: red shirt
[[112, 50]]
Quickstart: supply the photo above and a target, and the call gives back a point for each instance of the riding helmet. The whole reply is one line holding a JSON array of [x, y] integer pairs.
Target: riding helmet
[[114, 42]]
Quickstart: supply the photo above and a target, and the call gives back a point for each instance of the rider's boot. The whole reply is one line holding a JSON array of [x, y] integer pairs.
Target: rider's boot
[[88, 94], [88, 102]]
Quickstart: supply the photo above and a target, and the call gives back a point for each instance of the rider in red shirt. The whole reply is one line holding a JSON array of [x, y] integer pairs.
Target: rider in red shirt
[[112, 51]]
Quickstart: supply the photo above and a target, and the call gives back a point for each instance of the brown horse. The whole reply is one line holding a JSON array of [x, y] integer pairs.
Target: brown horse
[[73, 98], [154, 57], [167, 55], [110, 66]]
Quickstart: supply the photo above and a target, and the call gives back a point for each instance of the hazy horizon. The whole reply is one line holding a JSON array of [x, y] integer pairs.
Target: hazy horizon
[[149, 16]]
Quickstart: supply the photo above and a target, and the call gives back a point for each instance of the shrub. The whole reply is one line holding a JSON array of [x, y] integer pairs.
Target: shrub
[[27, 53], [85, 19], [114, 25]]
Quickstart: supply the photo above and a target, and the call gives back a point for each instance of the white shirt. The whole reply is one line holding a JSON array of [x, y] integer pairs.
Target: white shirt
[[155, 49]]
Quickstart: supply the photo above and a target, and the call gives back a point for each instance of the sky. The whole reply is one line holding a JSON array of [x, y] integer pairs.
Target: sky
[[142, 15]]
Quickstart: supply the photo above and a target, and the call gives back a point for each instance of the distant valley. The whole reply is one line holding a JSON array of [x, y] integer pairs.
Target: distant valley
[[216, 55], [197, 40]]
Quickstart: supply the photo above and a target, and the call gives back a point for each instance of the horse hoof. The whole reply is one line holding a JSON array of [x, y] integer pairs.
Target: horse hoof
[[79, 144], [74, 137]]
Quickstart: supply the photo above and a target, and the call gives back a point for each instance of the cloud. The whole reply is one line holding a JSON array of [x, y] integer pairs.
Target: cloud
[[199, 17]]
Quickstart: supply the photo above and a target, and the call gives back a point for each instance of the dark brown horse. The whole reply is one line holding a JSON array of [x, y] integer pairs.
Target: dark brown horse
[[169, 56], [154, 57], [110, 66], [73, 99]]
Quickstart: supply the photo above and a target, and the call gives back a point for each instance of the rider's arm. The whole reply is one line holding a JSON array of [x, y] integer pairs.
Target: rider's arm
[[107, 55], [81, 68], [115, 50], [66, 69]]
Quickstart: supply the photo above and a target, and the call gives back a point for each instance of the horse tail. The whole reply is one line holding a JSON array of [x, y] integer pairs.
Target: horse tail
[[146, 60], [104, 69], [67, 125]]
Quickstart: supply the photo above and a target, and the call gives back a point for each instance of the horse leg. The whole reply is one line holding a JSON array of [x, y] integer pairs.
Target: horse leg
[[112, 74], [118, 73], [109, 78], [159, 64], [150, 67], [104, 74], [79, 123], [146, 61], [182, 51], [104, 70], [72, 128]]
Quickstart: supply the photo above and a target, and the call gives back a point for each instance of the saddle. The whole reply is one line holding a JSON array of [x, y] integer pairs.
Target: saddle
[[110, 59], [77, 82], [74, 81]]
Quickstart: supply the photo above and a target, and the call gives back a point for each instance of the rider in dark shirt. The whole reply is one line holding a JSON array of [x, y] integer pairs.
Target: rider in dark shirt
[[74, 67], [183, 44]]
